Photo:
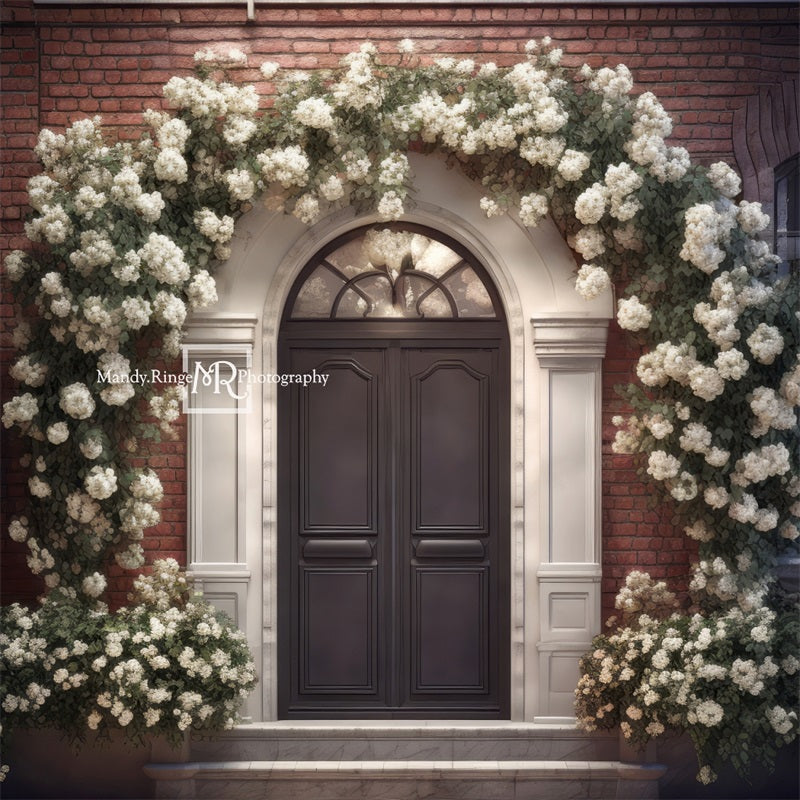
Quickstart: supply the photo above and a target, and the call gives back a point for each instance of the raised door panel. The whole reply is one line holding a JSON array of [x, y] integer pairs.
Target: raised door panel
[[449, 447], [338, 440]]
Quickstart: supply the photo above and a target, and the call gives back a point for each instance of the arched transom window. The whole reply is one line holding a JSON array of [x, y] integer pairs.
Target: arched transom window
[[393, 272]]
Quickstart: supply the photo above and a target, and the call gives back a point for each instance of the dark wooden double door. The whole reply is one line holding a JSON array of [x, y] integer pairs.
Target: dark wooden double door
[[393, 544]]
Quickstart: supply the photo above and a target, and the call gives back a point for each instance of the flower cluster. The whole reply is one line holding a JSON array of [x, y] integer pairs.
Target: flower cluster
[[130, 670], [715, 675]]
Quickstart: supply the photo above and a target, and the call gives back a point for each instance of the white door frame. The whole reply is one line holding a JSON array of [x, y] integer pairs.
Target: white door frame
[[557, 342]]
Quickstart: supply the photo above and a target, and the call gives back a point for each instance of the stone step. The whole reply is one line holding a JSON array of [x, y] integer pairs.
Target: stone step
[[371, 741], [406, 780]]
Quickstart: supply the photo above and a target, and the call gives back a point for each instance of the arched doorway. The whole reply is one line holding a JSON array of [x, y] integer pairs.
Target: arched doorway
[[393, 526]]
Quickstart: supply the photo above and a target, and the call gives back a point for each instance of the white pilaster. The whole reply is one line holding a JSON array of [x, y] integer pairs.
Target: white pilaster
[[570, 350]]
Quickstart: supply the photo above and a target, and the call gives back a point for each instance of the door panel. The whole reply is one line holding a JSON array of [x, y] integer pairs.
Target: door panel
[[339, 642], [392, 549], [449, 623], [340, 421], [449, 415]]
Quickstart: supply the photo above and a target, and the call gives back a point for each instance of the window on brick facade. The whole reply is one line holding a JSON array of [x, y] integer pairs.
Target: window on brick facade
[[787, 215]]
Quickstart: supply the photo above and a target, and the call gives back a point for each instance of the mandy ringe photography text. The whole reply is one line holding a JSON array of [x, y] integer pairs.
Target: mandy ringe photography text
[[221, 374]]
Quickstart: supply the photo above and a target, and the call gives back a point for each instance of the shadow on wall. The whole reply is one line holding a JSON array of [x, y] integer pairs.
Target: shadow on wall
[[679, 783]]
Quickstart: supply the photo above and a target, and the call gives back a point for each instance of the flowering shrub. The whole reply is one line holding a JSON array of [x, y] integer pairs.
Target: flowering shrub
[[126, 236], [729, 678], [163, 664]]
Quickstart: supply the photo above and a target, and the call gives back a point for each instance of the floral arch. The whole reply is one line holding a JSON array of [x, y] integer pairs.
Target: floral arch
[[125, 237]]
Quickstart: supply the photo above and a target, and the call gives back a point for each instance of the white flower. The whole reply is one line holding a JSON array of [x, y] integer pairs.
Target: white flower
[[173, 134], [709, 713], [661, 465], [782, 721], [58, 432], [238, 130], [268, 69], [287, 166], [706, 382], [136, 311], [240, 184], [765, 343], [94, 585], [751, 217], [724, 179], [150, 206], [591, 204], [390, 206], [22, 408], [314, 112], [38, 487], [592, 281], [771, 411], [532, 208], [573, 164], [202, 290], [589, 241], [163, 259], [731, 364], [491, 207], [101, 482], [716, 496], [213, 227], [405, 46], [633, 315], [16, 264], [705, 229], [332, 188], [706, 775], [169, 310], [171, 166], [54, 225], [76, 400], [306, 209]]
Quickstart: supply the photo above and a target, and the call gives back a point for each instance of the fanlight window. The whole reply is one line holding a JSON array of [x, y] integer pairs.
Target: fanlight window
[[385, 273]]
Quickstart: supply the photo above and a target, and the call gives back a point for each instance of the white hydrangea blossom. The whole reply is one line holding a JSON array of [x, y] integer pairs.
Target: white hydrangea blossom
[[163, 259], [765, 343], [287, 166], [633, 315], [217, 229], [662, 465], [751, 218], [314, 112], [168, 309], [171, 166], [590, 206], [533, 208], [76, 401], [724, 179], [592, 281], [101, 482], [240, 184], [705, 230], [573, 164]]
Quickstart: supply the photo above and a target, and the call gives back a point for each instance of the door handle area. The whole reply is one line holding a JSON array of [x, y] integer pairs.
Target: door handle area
[[449, 548], [337, 548]]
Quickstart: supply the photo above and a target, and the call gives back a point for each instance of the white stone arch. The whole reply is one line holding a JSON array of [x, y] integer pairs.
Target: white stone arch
[[555, 432]]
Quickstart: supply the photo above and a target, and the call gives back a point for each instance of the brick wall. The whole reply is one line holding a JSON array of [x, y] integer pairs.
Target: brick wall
[[61, 63]]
